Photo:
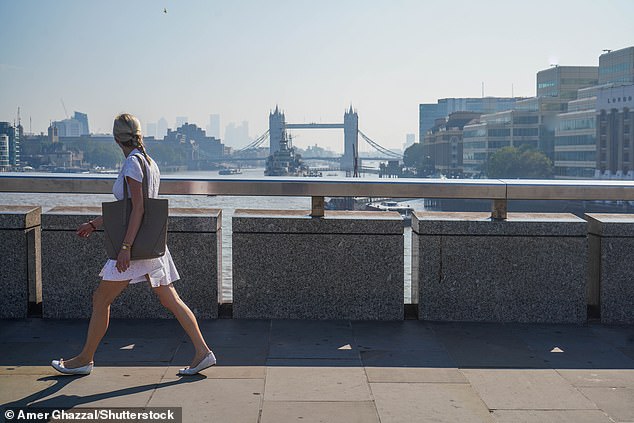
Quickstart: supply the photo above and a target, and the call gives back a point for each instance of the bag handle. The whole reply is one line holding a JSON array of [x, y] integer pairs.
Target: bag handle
[[125, 191]]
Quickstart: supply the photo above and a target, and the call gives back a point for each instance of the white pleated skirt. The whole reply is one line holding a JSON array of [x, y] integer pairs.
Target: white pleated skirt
[[161, 271]]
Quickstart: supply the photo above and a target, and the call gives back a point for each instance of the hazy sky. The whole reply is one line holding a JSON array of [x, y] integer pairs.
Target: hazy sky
[[313, 58]]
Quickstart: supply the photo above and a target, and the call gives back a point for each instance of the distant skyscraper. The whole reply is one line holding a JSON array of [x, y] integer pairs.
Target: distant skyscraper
[[428, 113], [180, 121], [161, 128], [82, 118], [4, 152], [73, 127], [617, 67], [151, 130], [237, 135], [213, 129], [13, 134], [410, 139], [564, 81]]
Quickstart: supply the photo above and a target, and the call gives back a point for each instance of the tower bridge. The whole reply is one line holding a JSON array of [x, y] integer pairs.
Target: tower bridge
[[278, 127]]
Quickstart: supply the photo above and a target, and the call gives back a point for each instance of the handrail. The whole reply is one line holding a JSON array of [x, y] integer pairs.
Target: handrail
[[498, 190]]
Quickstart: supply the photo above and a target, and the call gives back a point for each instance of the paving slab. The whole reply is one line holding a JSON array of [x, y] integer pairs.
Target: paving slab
[[551, 416], [222, 372], [317, 339], [212, 400], [616, 402], [415, 358], [123, 351], [143, 329], [481, 346], [313, 362], [316, 384], [30, 353], [323, 348], [319, 412], [623, 378], [407, 335], [574, 347], [38, 330], [414, 374], [428, 402], [232, 333], [619, 336], [533, 389], [226, 356], [45, 370], [628, 352], [106, 387], [21, 390]]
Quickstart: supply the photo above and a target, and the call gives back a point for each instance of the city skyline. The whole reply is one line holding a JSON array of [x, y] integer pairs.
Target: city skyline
[[241, 59]]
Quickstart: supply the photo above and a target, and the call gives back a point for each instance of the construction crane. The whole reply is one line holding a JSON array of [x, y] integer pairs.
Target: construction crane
[[64, 106]]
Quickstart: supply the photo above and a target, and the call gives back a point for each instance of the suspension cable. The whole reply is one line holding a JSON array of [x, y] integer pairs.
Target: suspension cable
[[379, 148], [255, 144]]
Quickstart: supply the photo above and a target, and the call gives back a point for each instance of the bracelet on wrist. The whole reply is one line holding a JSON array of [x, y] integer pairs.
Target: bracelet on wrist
[[126, 246], [94, 228]]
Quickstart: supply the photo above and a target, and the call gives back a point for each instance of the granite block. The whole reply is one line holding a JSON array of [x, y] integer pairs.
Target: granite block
[[287, 272], [611, 282], [333, 222], [611, 225], [465, 274], [517, 224], [20, 217], [20, 256], [71, 266]]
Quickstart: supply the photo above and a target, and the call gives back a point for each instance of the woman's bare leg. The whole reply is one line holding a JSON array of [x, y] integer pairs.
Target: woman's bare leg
[[170, 299], [103, 296]]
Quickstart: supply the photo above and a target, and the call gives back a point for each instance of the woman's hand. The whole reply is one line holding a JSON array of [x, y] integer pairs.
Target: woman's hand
[[123, 260], [85, 229]]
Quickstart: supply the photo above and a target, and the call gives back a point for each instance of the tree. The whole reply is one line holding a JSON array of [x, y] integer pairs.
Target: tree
[[414, 155], [103, 154], [524, 162]]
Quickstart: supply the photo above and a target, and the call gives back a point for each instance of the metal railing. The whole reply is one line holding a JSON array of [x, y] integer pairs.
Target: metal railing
[[499, 191]]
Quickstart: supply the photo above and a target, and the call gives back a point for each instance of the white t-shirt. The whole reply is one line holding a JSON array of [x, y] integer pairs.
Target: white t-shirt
[[160, 271], [132, 168]]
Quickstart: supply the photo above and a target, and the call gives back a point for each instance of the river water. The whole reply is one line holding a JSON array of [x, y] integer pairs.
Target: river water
[[228, 204]]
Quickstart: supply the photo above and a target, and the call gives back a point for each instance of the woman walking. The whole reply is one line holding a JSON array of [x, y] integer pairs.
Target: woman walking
[[117, 274]]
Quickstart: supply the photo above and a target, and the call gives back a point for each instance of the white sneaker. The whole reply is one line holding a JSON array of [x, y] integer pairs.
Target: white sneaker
[[59, 366], [208, 361]]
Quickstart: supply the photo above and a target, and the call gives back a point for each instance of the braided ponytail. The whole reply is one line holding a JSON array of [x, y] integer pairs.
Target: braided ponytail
[[127, 131]]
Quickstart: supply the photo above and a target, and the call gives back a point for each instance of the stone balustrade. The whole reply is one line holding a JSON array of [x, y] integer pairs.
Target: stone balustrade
[[346, 265]]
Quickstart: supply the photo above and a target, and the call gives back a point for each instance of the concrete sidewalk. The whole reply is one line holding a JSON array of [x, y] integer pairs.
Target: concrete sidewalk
[[333, 371]]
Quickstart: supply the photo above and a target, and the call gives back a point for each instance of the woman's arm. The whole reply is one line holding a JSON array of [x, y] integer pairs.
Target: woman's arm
[[85, 229], [136, 194]]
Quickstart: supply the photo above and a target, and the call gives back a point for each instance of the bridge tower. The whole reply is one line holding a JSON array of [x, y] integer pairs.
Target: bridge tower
[[277, 130], [350, 139]]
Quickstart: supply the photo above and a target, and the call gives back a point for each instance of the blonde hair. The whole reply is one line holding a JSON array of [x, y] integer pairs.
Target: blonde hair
[[127, 131]]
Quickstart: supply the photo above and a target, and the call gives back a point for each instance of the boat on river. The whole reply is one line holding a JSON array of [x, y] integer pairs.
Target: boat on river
[[230, 171], [405, 210]]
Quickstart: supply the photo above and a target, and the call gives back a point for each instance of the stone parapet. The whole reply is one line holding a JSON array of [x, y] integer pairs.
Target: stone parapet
[[346, 265], [611, 268], [20, 260], [71, 265], [528, 268]]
